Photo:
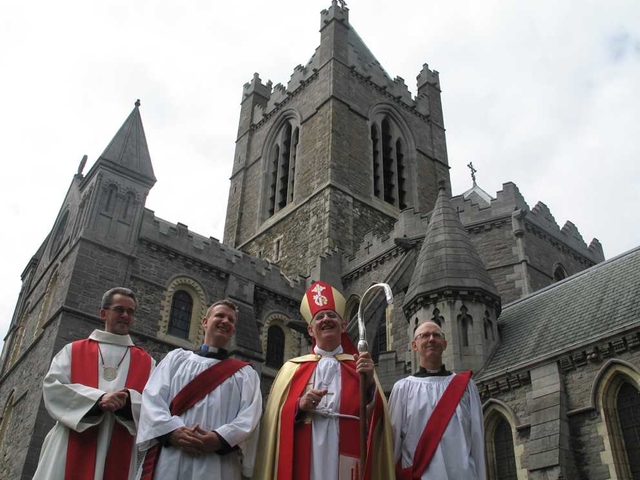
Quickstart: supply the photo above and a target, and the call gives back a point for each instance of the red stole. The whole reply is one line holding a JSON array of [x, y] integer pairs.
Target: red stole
[[199, 387], [294, 454], [82, 447], [433, 431]]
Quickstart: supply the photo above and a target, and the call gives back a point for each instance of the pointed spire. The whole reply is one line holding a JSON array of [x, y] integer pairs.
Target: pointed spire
[[129, 149], [448, 260]]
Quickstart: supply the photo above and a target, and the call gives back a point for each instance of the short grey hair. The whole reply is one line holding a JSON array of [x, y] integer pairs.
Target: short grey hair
[[107, 298]]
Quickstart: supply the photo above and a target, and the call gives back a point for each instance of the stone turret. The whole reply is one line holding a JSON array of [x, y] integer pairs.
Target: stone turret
[[451, 286]]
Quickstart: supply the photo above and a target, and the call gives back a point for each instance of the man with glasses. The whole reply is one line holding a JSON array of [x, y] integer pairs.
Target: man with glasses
[[436, 417], [94, 390]]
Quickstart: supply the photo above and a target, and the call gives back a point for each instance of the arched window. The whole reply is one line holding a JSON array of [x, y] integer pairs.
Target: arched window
[[129, 206], [380, 340], [437, 318], [628, 407], [282, 156], [488, 327], [110, 197], [389, 156], [464, 323], [18, 335], [559, 273], [183, 308], [180, 318], [59, 234], [275, 346], [503, 458], [504, 454], [4, 427], [45, 311]]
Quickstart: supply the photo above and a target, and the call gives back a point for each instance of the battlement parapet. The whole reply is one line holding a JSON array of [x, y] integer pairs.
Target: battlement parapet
[[256, 86], [510, 200], [334, 12], [507, 200], [428, 77], [178, 240], [411, 225]]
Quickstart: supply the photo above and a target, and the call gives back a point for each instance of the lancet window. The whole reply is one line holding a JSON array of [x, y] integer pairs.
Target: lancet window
[[390, 173], [282, 167]]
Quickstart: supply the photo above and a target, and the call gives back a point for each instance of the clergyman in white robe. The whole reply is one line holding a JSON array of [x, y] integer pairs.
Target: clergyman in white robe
[[460, 454], [69, 403], [233, 410]]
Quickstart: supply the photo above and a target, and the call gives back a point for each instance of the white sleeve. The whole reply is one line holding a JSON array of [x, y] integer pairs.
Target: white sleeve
[[477, 431], [243, 429], [155, 417], [397, 414], [67, 402]]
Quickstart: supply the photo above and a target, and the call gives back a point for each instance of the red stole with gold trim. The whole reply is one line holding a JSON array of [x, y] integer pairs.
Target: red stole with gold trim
[[294, 453], [82, 446]]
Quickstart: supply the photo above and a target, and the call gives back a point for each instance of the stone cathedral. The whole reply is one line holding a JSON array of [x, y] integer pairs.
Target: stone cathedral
[[342, 175]]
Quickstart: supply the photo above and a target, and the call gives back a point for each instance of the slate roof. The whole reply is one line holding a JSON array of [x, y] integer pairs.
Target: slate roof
[[600, 301], [447, 259], [129, 146]]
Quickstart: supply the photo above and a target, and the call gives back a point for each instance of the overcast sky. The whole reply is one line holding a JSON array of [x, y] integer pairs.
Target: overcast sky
[[541, 93]]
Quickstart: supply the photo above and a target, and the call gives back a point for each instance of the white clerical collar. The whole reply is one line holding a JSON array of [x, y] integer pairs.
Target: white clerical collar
[[318, 351], [107, 337]]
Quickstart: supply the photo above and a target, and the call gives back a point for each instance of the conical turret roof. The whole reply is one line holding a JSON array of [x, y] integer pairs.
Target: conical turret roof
[[448, 260], [128, 148]]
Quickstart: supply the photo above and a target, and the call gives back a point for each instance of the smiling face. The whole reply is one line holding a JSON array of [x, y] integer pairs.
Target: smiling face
[[219, 326], [429, 342], [119, 316], [327, 328]]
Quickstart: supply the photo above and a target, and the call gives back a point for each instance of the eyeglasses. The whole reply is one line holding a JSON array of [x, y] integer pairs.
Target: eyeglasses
[[120, 310], [426, 335]]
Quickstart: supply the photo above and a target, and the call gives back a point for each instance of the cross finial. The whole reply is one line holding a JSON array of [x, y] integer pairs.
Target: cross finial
[[473, 173]]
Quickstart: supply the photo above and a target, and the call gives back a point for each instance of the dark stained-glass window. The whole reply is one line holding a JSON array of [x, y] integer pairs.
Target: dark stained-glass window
[[275, 346], [505, 457], [628, 404], [180, 317]]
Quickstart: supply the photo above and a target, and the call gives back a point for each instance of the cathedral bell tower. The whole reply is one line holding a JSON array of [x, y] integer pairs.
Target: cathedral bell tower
[[335, 153]]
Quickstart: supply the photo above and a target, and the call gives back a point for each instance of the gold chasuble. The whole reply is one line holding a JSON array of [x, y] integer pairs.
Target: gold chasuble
[[286, 444]]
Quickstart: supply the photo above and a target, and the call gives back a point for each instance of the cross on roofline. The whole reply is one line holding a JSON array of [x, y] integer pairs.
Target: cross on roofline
[[473, 173]]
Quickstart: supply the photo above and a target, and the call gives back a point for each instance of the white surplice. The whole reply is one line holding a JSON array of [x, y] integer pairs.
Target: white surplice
[[325, 441], [233, 410], [460, 454], [68, 403]]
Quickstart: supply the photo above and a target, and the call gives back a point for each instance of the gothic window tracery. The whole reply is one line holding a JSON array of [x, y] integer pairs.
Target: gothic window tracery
[[282, 156], [504, 454], [389, 150], [628, 406]]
